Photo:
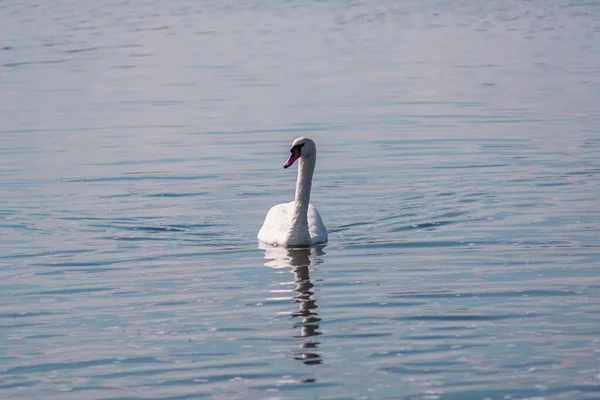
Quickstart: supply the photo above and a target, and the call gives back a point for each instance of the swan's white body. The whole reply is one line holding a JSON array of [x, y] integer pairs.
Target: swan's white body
[[297, 223], [278, 228]]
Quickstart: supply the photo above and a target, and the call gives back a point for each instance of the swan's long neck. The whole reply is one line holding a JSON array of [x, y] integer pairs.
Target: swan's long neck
[[306, 168]]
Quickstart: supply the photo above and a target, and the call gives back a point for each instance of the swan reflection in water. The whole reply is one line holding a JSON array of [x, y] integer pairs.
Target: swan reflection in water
[[300, 260]]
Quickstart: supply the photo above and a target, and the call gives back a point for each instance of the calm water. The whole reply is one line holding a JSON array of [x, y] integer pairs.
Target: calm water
[[459, 175]]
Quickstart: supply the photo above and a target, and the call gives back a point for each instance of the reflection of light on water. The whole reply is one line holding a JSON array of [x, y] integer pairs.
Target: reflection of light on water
[[300, 260]]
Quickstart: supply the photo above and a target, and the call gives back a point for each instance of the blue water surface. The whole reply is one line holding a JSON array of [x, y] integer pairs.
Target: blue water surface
[[458, 172]]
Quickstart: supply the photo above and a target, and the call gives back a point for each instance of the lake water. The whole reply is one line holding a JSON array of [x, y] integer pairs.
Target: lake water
[[141, 146]]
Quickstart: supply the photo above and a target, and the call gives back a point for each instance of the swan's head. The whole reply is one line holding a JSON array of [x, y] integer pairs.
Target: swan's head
[[301, 147]]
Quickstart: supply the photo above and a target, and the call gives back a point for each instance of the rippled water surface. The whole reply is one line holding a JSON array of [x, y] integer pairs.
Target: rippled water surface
[[458, 173]]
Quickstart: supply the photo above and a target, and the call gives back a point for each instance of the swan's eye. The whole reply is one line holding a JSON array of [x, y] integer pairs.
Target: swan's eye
[[297, 148]]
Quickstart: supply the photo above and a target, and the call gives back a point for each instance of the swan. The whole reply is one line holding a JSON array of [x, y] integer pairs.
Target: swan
[[296, 223]]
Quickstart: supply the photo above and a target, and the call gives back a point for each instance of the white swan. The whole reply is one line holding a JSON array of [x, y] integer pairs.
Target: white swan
[[296, 223]]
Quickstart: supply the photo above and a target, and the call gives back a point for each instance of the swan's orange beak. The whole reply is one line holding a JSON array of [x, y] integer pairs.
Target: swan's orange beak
[[295, 154]]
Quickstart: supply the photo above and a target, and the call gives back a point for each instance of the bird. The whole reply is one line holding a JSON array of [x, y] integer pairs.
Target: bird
[[297, 223]]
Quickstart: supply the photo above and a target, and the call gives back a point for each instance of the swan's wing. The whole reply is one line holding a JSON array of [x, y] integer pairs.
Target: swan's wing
[[277, 224], [316, 227]]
